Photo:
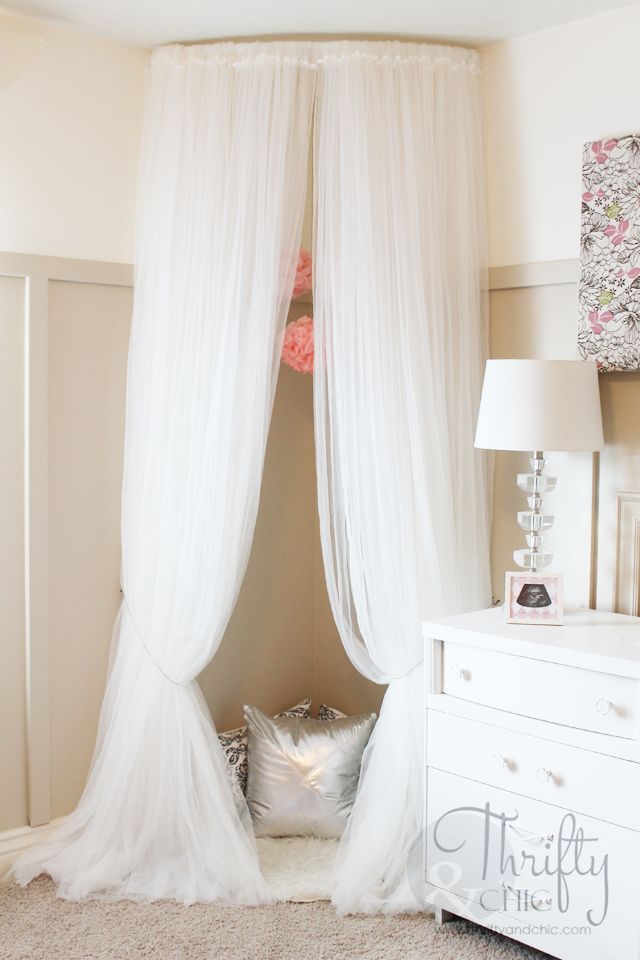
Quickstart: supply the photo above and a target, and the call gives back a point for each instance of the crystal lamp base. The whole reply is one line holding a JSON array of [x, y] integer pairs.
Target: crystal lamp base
[[533, 521], [532, 560]]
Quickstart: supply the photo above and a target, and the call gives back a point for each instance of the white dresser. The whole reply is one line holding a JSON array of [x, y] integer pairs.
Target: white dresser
[[533, 779]]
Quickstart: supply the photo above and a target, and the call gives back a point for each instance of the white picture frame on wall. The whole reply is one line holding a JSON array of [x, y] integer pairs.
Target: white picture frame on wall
[[533, 598]]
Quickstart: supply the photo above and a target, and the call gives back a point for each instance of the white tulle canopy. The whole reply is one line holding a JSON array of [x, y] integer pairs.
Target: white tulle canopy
[[400, 342], [403, 501]]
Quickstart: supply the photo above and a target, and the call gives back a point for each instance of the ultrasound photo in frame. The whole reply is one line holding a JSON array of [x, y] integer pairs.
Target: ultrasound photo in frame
[[533, 598]]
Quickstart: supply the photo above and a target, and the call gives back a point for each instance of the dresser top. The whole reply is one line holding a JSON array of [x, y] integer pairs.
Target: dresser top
[[588, 638]]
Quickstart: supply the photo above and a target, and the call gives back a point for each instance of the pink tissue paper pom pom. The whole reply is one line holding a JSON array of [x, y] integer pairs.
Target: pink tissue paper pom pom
[[303, 274], [297, 348]]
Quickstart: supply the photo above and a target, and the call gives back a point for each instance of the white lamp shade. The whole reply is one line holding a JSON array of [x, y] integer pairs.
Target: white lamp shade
[[540, 405]]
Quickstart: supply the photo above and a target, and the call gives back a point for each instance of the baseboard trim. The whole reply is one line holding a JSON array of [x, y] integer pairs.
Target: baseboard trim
[[15, 842]]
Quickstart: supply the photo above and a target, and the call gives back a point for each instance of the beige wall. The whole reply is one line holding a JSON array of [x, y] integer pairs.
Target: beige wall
[[548, 93], [266, 656], [70, 115], [336, 681], [282, 644], [70, 109], [88, 342]]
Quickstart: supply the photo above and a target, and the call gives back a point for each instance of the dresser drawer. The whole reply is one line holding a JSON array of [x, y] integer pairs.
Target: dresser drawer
[[590, 783], [513, 861], [562, 694]]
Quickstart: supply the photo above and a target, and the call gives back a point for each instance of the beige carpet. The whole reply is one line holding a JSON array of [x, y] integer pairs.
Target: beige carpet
[[35, 925]]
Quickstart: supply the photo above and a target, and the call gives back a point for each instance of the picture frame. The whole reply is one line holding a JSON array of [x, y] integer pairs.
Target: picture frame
[[533, 598], [609, 285]]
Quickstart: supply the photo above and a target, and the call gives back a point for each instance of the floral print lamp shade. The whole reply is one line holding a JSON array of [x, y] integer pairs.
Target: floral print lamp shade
[[609, 292]]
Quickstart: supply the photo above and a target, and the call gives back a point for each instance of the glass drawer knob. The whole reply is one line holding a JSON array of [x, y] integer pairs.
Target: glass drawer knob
[[456, 672], [603, 705], [499, 761], [543, 775]]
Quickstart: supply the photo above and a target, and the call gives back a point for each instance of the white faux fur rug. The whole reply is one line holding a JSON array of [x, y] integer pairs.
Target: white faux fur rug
[[298, 869]]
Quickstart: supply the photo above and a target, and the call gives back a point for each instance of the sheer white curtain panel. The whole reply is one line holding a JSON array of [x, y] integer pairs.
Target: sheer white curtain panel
[[400, 347], [222, 188]]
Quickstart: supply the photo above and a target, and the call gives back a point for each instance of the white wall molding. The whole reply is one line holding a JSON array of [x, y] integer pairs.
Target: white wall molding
[[544, 274], [36, 460], [513, 276], [15, 842], [627, 574], [38, 272], [59, 268]]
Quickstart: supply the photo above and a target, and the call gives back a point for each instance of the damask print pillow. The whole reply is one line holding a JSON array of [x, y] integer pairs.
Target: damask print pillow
[[234, 742], [609, 289], [330, 713]]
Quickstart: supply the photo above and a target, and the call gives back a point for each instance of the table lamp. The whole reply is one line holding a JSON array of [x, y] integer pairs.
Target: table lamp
[[539, 405]]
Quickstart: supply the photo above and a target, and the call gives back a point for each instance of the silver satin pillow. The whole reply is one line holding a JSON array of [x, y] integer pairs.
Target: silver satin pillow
[[234, 742], [303, 774]]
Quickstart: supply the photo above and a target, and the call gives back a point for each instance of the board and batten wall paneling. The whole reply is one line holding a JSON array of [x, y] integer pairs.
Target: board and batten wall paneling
[[88, 342], [618, 529], [13, 734], [81, 333], [533, 314], [596, 535]]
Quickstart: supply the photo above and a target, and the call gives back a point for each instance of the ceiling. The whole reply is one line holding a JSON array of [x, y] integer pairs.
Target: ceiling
[[151, 22]]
